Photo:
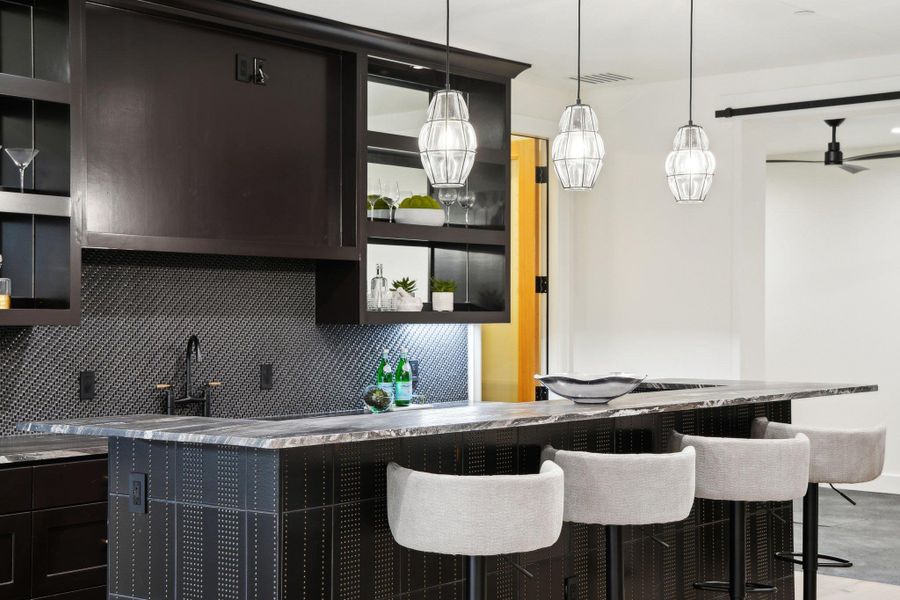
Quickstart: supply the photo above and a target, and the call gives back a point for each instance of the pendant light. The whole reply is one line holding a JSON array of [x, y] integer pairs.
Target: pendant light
[[447, 142], [690, 166], [578, 149]]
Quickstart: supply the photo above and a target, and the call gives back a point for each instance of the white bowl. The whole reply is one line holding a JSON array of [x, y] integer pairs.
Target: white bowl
[[591, 389], [379, 213], [433, 217]]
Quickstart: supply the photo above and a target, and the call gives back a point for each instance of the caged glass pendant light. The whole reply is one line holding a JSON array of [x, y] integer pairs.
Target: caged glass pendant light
[[578, 148], [447, 142], [690, 166]]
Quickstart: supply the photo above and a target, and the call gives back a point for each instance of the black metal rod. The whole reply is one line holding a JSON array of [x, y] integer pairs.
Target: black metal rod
[[448, 45], [615, 564], [691, 71], [727, 113], [737, 582], [476, 578], [810, 540], [578, 74]]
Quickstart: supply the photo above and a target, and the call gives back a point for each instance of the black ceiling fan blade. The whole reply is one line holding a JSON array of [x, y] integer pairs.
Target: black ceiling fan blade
[[788, 160], [853, 169], [876, 155]]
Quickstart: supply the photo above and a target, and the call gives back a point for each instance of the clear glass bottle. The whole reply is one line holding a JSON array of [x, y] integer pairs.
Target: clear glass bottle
[[403, 380], [379, 290], [384, 375]]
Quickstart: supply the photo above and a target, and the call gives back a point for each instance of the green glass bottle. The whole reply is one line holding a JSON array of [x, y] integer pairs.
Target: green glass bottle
[[384, 376], [403, 380]]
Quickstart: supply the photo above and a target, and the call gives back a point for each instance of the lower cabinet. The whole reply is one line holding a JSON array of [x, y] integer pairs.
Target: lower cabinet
[[56, 567], [15, 552], [54, 546]]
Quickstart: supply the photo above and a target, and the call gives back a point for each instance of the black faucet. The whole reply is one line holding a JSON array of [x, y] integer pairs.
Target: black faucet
[[203, 395]]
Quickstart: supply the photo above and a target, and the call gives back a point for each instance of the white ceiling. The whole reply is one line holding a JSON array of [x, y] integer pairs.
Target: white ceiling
[[644, 39]]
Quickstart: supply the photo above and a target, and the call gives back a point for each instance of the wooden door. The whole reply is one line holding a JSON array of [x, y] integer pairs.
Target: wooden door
[[15, 555], [69, 549]]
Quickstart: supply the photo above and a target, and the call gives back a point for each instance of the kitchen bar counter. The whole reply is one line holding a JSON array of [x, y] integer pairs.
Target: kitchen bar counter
[[21, 449], [297, 508], [652, 397]]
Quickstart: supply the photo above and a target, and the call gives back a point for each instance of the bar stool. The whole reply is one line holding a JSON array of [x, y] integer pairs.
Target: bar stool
[[624, 489], [741, 471], [475, 516], [836, 456]]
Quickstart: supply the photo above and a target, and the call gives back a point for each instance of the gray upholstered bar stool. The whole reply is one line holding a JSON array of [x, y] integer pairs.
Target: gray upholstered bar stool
[[742, 470], [473, 516], [625, 489], [836, 456]]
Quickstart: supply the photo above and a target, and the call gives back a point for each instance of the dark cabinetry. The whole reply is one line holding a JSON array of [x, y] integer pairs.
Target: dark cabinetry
[[53, 531], [181, 156]]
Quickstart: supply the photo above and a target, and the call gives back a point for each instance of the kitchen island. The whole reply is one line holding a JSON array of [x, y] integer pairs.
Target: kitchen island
[[203, 508]]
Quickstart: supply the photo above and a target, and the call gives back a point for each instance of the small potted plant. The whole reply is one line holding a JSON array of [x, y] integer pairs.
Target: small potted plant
[[442, 294], [404, 294]]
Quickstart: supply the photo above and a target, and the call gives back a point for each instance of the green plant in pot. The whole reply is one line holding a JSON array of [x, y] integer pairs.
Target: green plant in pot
[[420, 210], [442, 292], [406, 284]]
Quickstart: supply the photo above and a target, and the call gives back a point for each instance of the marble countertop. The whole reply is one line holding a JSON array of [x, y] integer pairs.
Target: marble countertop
[[33, 448], [656, 397]]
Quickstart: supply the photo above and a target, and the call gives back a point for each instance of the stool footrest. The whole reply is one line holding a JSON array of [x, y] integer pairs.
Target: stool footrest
[[724, 587], [831, 562]]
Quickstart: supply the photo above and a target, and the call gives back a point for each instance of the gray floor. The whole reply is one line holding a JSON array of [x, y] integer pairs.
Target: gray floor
[[867, 534]]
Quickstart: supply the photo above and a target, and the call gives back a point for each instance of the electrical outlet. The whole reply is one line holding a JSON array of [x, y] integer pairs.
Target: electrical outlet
[[137, 493], [87, 385], [571, 588], [243, 68], [266, 376]]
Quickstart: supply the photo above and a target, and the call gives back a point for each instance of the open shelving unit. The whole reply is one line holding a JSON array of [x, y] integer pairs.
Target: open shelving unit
[[37, 238], [477, 256]]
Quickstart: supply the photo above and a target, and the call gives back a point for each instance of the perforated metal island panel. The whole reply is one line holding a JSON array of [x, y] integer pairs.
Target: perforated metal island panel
[[138, 309], [311, 523]]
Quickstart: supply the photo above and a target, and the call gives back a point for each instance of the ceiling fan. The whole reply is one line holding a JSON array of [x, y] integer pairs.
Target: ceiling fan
[[834, 156]]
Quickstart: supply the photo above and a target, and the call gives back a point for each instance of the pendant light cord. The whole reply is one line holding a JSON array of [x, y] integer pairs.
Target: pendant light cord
[[691, 71], [448, 45], [578, 94]]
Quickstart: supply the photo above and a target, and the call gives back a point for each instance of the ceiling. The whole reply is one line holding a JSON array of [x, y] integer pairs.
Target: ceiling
[[643, 39]]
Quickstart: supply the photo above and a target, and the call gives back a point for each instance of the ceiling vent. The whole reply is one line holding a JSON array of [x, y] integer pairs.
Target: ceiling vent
[[597, 78]]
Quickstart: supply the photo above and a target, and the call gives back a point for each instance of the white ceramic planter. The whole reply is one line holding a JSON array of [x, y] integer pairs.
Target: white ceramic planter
[[442, 301]]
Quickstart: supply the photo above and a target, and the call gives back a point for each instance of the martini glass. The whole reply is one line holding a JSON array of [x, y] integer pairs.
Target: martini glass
[[447, 197], [22, 157], [467, 201]]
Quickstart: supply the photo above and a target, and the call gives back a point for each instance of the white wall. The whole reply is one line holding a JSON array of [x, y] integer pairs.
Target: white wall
[[833, 292], [680, 290]]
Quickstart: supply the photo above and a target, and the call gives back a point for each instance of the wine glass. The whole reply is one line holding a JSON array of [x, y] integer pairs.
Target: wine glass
[[447, 197], [395, 197], [22, 157], [372, 198], [467, 201]]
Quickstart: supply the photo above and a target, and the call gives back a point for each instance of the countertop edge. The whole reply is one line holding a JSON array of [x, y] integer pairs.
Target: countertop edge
[[297, 440]]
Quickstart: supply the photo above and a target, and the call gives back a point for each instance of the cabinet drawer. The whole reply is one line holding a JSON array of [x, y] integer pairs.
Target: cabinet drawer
[[15, 552], [15, 490], [64, 484], [69, 549], [97, 593]]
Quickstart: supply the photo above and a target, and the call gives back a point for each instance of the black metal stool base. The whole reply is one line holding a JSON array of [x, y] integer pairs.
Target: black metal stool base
[[725, 587], [831, 562]]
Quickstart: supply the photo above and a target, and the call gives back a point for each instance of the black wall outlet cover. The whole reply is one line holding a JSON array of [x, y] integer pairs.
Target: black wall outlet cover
[[137, 493], [243, 68], [266, 377], [87, 383]]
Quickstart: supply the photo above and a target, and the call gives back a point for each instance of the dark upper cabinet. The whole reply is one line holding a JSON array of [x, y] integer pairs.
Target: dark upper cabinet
[[181, 156]]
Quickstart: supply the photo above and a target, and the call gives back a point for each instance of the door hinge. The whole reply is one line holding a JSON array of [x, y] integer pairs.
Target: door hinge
[[541, 284], [541, 393], [541, 175]]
